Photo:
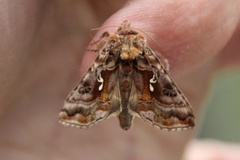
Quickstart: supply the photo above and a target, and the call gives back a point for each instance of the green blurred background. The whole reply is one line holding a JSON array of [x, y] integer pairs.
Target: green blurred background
[[221, 119]]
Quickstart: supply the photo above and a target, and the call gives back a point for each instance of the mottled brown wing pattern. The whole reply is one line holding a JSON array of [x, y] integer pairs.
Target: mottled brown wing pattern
[[159, 101], [127, 79], [96, 97]]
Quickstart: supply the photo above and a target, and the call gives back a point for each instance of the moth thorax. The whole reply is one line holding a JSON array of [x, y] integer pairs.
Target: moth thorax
[[129, 52]]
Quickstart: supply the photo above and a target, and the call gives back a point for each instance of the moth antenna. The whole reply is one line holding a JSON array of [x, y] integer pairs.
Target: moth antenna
[[160, 56], [145, 33], [96, 29]]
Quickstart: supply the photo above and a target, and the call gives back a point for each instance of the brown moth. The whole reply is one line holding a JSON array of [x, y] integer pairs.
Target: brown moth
[[126, 80]]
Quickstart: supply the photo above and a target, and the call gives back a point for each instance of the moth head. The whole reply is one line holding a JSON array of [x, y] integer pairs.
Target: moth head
[[126, 29]]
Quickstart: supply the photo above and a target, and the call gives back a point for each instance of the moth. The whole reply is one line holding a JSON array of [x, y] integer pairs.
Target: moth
[[126, 80]]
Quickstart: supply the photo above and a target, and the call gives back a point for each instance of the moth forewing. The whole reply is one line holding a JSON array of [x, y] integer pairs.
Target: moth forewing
[[127, 79]]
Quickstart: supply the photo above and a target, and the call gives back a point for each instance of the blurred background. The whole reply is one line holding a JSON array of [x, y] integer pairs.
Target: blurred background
[[222, 108]]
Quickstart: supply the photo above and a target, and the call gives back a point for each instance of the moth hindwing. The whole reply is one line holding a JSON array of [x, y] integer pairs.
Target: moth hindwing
[[126, 80]]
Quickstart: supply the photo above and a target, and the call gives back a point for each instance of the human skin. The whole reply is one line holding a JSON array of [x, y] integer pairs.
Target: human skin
[[42, 47]]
